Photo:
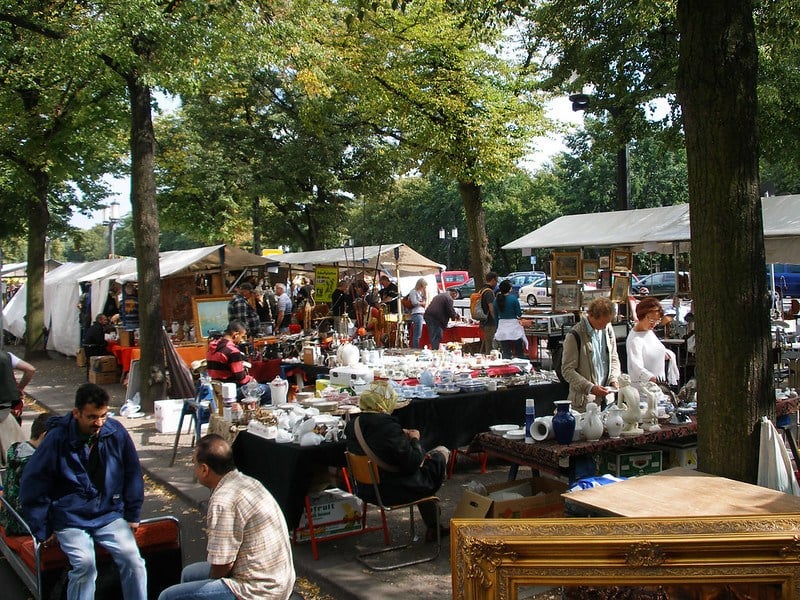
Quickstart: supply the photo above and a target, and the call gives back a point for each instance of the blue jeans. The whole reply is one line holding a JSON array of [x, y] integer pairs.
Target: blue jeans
[[196, 584], [417, 319], [435, 333], [117, 538]]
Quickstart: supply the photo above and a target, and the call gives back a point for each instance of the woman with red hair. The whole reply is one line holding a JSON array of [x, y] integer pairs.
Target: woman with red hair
[[646, 353]]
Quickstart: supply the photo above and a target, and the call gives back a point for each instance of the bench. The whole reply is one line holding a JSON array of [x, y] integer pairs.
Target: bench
[[43, 570]]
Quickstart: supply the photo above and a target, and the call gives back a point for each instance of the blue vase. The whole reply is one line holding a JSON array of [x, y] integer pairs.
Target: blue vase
[[563, 422]]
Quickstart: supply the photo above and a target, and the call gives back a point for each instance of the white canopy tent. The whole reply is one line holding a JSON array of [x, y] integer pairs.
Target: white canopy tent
[[659, 229], [62, 287], [61, 294], [397, 259], [175, 263]]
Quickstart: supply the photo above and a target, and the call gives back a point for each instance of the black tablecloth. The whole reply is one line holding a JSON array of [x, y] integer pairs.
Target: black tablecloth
[[286, 470], [454, 420]]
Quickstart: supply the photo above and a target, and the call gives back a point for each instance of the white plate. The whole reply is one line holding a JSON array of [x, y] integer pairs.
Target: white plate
[[326, 420], [516, 434], [448, 390], [501, 429]]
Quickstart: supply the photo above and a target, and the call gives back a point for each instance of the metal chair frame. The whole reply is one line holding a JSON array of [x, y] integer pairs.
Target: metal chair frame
[[198, 415], [365, 473]]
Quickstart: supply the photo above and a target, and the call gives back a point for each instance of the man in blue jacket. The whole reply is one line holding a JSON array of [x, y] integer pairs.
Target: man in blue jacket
[[84, 485]]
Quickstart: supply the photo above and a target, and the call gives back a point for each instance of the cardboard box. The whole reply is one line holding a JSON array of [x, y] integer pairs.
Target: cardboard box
[[104, 378], [125, 337], [167, 415], [630, 463], [80, 357], [541, 497], [103, 364], [676, 454], [333, 511]]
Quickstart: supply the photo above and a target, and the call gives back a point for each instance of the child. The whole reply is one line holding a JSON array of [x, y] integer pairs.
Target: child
[[18, 455]]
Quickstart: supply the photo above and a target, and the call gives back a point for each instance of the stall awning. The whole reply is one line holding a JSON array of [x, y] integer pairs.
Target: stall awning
[[386, 257], [655, 230], [198, 260]]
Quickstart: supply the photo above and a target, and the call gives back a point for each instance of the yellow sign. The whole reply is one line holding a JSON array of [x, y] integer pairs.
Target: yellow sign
[[325, 281]]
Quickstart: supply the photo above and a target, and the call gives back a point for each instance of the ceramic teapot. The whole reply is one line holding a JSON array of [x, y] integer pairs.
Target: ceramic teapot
[[347, 355], [278, 390]]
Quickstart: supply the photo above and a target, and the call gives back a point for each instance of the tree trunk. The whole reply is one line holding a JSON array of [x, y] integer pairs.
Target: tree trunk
[[717, 90], [479, 258], [38, 220], [146, 233], [257, 225]]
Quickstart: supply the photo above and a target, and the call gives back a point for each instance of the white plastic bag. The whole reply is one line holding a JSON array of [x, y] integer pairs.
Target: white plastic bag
[[774, 466]]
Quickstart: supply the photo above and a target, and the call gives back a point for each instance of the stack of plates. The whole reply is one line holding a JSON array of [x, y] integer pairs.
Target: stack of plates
[[515, 434], [502, 429], [450, 388], [472, 385]]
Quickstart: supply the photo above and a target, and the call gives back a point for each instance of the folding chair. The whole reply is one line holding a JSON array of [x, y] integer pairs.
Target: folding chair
[[365, 473], [200, 413]]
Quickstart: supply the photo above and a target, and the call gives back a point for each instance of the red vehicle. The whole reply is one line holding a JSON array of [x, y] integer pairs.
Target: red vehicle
[[451, 278]]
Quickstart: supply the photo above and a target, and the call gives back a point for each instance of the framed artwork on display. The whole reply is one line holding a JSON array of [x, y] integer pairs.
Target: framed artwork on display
[[566, 266], [210, 313], [604, 262], [605, 280], [589, 271], [701, 557], [566, 296], [619, 290], [622, 260]]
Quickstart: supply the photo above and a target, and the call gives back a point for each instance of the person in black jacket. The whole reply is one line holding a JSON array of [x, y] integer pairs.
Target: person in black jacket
[[418, 474]]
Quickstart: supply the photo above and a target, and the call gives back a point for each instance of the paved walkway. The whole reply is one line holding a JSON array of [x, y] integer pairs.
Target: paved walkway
[[336, 571]]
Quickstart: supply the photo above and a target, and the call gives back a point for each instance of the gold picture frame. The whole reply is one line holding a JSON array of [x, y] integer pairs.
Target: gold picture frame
[[604, 262], [210, 313], [589, 271], [566, 296], [621, 260], [619, 288], [566, 266], [755, 556]]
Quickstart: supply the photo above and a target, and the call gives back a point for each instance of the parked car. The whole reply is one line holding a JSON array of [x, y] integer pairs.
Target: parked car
[[452, 278], [464, 290], [537, 293], [787, 280], [657, 284], [521, 279]]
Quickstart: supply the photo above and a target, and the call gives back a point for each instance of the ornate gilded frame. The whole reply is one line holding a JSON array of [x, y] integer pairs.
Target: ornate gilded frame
[[494, 558]]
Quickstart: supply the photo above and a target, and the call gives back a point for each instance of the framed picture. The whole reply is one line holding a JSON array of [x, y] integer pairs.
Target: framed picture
[[619, 289], [701, 557], [604, 262], [622, 260], [566, 296], [589, 271], [210, 313], [605, 279], [566, 266]]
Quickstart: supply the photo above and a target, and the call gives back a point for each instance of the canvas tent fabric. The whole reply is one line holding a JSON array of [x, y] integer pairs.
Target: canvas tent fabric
[[175, 263], [656, 229], [61, 294], [407, 262], [62, 289]]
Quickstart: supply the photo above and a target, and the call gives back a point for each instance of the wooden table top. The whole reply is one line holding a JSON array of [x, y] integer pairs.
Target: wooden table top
[[681, 492]]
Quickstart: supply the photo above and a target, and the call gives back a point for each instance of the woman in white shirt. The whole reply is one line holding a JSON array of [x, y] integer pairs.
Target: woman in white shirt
[[646, 353], [419, 301]]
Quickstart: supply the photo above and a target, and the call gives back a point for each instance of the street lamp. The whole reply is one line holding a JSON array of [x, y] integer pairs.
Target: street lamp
[[110, 219], [447, 237], [582, 102]]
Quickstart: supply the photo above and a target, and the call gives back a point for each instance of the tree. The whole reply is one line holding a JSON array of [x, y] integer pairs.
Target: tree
[[58, 128], [431, 78], [717, 90]]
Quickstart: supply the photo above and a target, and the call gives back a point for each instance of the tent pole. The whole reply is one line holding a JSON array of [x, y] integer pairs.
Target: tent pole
[[675, 247]]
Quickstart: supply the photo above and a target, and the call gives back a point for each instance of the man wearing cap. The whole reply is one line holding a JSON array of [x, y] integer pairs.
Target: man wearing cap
[[240, 309]]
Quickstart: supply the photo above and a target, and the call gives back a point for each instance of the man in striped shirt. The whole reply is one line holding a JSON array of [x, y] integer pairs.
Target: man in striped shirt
[[249, 554], [225, 363]]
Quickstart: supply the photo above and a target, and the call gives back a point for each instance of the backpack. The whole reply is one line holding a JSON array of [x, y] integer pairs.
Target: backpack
[[476, 306], [406, 302], [558, 354]]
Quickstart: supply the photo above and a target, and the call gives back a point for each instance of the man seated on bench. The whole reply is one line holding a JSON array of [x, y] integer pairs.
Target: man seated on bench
[[84, 485], [18, 456]]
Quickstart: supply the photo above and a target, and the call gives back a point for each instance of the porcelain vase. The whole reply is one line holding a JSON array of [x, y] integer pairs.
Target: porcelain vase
[[563, 422], [592, 425], [614, 422]]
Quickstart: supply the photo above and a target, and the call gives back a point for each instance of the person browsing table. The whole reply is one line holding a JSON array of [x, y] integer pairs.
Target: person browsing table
[[646, 353], [438, 314], [240, 309]]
